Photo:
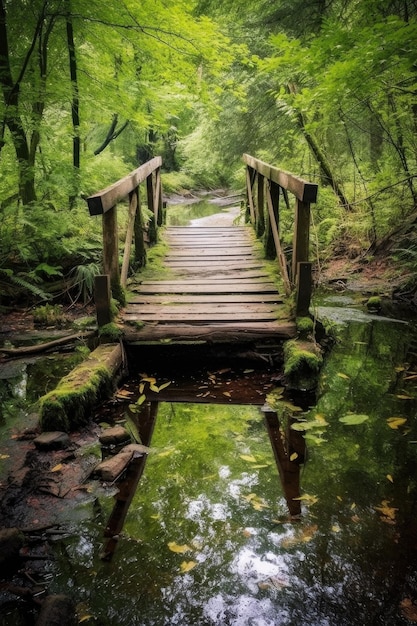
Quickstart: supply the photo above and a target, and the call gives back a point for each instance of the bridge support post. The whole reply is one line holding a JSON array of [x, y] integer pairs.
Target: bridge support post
[[303, 289], [111, 252], [102, 297]]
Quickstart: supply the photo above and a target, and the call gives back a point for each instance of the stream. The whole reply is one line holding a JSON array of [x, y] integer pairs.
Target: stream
[[208, 538]]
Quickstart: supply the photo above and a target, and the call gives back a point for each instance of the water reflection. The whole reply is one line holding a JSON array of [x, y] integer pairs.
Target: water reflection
[[208, 540]]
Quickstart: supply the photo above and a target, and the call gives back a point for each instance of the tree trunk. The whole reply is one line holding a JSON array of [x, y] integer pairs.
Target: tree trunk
[[75, 105]]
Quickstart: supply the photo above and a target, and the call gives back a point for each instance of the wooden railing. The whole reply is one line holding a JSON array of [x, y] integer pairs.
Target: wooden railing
[[104, 203], [267, 183]]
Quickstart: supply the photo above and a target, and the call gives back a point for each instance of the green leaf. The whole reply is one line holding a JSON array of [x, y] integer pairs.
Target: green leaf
[[353, 419]]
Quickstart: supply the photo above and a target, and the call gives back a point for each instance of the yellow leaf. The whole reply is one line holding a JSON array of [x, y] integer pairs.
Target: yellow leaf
[[336, 528], [154, 388], [175, 547], [293, 456], [123, 393], [390, 478], [395, 422], [403, 396], [345, 376], [57, 468], [386, 510], [149, 379], [260, 466], [308, 499], [248, 457], [141, 399], [186, 566], [141, 388], [339, 498], [4, 456], [84, 618], [227, 394], [353, 506]]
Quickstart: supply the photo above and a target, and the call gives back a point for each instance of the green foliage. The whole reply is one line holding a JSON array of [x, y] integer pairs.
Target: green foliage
[[110, 332], [49, 315]]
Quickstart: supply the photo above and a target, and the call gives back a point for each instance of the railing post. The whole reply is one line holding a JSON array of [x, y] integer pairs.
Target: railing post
[[139, 228], [152, 231], [301, 242], [158, 198], [270, 248], [303, 289], [250, 177], [102, 297], [111, 252], [260, 222]]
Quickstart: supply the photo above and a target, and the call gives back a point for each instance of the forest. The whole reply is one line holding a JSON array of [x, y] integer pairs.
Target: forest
[[326, 89]]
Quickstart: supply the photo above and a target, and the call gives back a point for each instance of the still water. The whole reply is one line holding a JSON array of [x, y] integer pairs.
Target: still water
[[208, 538]]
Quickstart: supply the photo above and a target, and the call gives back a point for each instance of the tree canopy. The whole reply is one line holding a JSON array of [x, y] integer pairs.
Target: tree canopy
[[90, 90]]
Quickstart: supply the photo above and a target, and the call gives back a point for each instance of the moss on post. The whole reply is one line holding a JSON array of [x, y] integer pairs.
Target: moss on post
[[302, 363], [69, 404]]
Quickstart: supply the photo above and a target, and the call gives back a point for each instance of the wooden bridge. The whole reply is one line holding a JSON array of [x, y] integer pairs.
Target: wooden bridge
[[216, 287]]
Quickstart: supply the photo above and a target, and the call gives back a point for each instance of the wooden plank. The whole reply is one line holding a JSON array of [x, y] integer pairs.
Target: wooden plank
[[210, 281], [209, 299], [238, 316], [204, 308], [201, 251], [226, 332], [303, 190], [104, 200], [209, 288]]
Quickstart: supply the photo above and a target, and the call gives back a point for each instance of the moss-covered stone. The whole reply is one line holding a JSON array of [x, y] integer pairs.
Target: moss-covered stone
[[69, 404], [302, 363], [110, 333]]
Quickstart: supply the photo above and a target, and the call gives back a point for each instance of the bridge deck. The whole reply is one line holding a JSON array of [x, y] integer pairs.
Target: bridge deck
[[220, 292]]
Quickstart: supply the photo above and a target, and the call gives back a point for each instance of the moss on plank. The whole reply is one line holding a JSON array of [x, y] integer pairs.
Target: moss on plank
[[69, 404]]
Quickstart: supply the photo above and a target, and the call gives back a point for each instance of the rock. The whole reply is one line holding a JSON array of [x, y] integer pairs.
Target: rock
[[58, 610], [111, 468], [11, 542], [52, 441], [114, 436]]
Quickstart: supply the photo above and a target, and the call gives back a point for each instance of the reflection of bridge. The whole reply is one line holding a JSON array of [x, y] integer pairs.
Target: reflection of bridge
[[216, 286]]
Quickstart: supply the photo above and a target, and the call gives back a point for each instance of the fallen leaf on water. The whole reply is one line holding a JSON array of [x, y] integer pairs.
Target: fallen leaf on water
[[148, 379], [409, 609], [345, 376], [395, 422], [386, 510], [227, 394], [57, 468], [123, 393], [175, 547], [186, 566], [308, 499], [390, 478], [166, 452], [164, 385], [403, 396], [248, 457], [353, 419]]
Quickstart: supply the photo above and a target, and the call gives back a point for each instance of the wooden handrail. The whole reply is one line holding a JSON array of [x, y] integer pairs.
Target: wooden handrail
[[269, 181], [105, 203]]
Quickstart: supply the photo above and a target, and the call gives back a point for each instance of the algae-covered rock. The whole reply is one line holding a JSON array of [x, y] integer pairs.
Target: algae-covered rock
[[302, 363], [69, 404]]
